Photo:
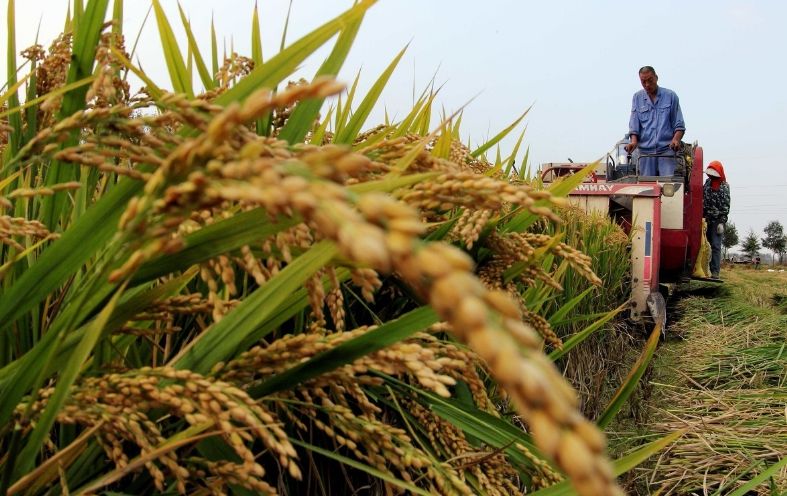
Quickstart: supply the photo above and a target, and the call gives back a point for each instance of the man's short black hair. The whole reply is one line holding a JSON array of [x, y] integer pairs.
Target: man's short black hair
[[647, 68]]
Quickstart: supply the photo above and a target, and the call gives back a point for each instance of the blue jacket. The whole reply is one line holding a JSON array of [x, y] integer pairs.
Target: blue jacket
[[655, 123]]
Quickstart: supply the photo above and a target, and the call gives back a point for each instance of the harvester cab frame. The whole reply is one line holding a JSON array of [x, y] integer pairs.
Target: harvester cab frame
[[662, 214]]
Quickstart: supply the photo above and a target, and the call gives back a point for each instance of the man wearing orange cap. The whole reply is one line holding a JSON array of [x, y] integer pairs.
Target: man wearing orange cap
[[715, 208]]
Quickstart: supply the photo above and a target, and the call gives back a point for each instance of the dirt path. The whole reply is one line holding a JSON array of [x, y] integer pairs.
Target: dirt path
[[722, 376]]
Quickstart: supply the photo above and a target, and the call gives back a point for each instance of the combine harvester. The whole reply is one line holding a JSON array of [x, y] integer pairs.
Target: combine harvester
[[664, 212]]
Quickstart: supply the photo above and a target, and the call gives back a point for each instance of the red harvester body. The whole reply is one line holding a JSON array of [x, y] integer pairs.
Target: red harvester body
[[662, 213]]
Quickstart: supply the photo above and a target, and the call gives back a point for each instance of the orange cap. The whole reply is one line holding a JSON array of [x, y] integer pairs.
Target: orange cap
[[716, 167]]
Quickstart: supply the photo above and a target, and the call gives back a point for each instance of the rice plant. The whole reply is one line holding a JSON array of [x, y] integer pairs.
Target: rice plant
[[241, 287]]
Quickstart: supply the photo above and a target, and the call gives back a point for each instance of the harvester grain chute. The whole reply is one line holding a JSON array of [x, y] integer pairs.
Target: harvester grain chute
[[663, 214]]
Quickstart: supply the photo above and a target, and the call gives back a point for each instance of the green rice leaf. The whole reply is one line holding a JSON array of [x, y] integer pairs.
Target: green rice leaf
[[302, 118], [263, 124], [117, 17], [285, 62], [455, 130], [154, 90], [512, 158], [11, 95], [199, 61], [65, 256], [387, 334], [499, 136], [256, 40], [286, 27], [620, 466], [633, 460], [391, 183], [498, 163], [632, 380], [139, 33], [133, 302], [176, 65], [20, 256], [582, 335], [360, 466], [319, 134], [86, 39], [214, 49], [442, 148], [408, 158], [8, 180], [425, 99], [79, 10], [220, 237], [568, 306], [54, 93], [372, 139], [567, 184], [27, 457], [190, 64], [50, 470], [490, 430], [563, 187], [16, 379], [142, 297], [404, 126], [343, 112], [68, 26], [734, 481], [350, 132], [424, 117], [524, 168], [751, 486], [287, 310], [12, 92], [83, 54], [220, 341]]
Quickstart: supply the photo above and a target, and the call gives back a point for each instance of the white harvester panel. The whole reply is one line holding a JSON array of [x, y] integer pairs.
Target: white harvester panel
[[590, 204], [645, 205], [672, 209], [644, 253]]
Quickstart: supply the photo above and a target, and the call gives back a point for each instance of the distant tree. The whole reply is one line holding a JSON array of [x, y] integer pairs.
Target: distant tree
[[730, 237], [780, 247], [774, 239], [751, 245]]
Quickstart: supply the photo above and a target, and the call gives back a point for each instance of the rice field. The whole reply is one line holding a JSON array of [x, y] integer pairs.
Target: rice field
[[231, 282]]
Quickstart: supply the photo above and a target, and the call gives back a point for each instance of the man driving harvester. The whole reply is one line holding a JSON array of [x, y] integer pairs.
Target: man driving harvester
[[656, 126]]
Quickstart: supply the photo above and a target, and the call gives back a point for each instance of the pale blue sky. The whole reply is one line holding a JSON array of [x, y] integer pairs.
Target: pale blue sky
[[575, 61]]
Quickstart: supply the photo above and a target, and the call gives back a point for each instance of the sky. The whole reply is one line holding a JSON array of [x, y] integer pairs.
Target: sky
[[573, 62]]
